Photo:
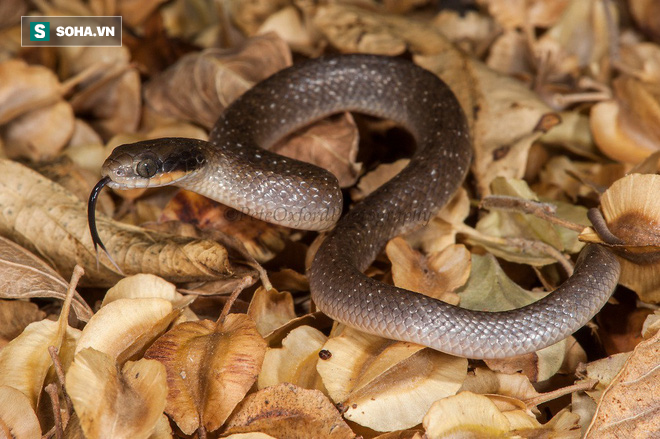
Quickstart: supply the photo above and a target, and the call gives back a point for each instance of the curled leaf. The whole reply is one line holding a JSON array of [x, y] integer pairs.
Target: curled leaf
[[124, 328], [112, 402]]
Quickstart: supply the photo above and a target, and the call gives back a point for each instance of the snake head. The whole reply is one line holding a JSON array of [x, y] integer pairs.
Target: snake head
[[153, 163]]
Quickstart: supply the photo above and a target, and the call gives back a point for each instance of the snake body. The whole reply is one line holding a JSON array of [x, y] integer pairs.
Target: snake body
[[233, 168]]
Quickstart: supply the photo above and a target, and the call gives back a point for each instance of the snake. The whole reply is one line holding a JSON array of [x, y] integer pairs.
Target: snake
[[236, 168]]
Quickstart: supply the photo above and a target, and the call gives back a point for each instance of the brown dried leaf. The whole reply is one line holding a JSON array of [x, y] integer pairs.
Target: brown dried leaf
[[15, 316], [218, 77], [471, 415], [469, 30], [25, 362], [437, 275], [262, 240], [110, 91], [124, 328], [141, 286], [17, 417], [351, 29], [509, 53], [627, 128], [441, 231], [289, 411], [271, 310], [387, 385], [295, 362], [24, 88], [504, 115], [581, 36], [40, 134], [518, 13], [210, 368], [630, 405], [291, 27], [374, 179], [110, 402], [25, 276], [48, 220], [331, 144], [558, 178], [250, 15], [646, 13]]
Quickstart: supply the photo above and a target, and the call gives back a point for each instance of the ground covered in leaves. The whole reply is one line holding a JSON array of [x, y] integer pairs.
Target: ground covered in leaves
[[205, 328]]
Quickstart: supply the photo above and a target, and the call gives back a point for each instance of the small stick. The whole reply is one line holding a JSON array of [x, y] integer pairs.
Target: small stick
[[545, 211]]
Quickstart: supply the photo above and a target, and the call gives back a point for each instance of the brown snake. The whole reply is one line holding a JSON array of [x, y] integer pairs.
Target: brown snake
[[233, 169]]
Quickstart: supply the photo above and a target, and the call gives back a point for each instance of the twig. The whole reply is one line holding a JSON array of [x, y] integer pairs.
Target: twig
[[520, 243], [59, 372], [232, 298], [545, 211], [549, 396], [51, 389]]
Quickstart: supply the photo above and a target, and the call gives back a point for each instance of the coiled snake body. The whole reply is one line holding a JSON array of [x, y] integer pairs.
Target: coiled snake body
[[234, 169]]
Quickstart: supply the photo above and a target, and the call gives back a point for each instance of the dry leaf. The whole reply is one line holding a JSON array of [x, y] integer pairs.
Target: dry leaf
[[250, 15], [437, 275], [124, 328], [210, 368], [25, 362], [24, 88], [374, 179], [386, 385], [646, 12], [626, 128], [562, 177], [40, 134], [17, 417], [142, 286], [471, 415], [44, 218], [109, 87], [630, 405], [15, 316], [25, 276], [295, 362], [112, 402], [219, 77], [514, 14], [331, 144], [289, 411], [290, 26], [262, 240], [581, 36], [351, 29], [503, 114], [271, 310]]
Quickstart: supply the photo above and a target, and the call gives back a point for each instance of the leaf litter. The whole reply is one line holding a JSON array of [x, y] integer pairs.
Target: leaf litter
[[563, 103]]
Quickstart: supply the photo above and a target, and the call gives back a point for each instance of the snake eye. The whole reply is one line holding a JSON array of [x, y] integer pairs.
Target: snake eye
[[147, 168]]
